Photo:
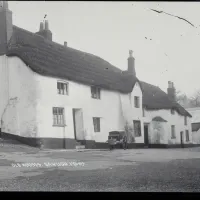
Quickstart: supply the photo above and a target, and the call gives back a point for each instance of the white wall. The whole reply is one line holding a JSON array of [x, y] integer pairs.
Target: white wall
[[175, 119], [196, 137], [32, 97], [131, 113], [4, 96], [19, 117], [108, 108]]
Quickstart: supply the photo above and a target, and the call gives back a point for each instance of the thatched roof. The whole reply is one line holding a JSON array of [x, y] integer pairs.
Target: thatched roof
[[52, 59], [159, 119], [195, 127], [154, 98]]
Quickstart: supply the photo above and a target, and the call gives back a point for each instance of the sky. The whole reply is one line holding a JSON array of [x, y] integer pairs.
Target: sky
[[165, 48]]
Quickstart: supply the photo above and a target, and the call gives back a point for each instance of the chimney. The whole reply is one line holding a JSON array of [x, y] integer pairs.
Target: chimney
[[131, 63], [44, 30], [6, 27], [41, 26], [46, 25], [171, 91], [65, 44]]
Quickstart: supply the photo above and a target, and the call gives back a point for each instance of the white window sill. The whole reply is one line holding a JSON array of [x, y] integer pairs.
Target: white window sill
[[59, 125]]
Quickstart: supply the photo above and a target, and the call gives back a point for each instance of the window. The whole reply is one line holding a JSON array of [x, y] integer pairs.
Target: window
[[187, 135], [172, 111], [58, 116], [137, 128], [173, 134], [143, 112], [95, 92], [62, 88], [185, 120], [96, 122], [137, 102]]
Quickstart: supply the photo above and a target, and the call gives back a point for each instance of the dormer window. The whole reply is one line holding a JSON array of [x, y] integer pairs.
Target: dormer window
[[137, 102], [62, 88], [95, 92]]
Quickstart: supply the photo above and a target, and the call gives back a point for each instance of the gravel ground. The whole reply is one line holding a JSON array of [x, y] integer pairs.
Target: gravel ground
[[139, 170], [172, 176]]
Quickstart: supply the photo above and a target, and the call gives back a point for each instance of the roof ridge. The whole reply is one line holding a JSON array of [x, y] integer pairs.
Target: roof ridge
[[73, 49]]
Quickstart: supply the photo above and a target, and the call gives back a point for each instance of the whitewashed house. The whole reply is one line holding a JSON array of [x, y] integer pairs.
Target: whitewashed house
[[195, 112], [58, 96], [166, 123]]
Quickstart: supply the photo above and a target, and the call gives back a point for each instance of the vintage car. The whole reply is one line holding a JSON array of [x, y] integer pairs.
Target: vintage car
[[117, 138]]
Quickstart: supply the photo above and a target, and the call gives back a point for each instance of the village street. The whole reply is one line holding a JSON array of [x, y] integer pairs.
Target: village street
[[119, 170]]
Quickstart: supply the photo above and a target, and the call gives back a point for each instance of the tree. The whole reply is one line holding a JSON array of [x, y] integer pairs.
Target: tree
[[195, 99], [182, 99]]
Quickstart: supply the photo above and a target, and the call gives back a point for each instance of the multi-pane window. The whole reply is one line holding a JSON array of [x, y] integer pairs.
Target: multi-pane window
[[137, 128], [62, 88], [172, 111], [58, 116], [173, 133], [185, 120], [95, 92], [137, 102], [187, 135], [96, 123]]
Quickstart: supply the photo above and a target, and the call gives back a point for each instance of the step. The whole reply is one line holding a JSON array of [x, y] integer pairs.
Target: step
[[80, 146]]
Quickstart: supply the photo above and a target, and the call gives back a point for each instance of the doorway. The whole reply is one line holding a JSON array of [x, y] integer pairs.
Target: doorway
[[181, 137], [78, 124], [146, 134]]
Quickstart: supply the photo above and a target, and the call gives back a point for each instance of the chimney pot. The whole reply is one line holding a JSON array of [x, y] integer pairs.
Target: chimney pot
[[131, 53], [46, 25], [171, 91], [65, 44], [41, 26], [131, 63]]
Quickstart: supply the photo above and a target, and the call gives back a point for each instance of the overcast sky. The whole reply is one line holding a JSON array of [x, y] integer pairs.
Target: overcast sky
[[111, 29]]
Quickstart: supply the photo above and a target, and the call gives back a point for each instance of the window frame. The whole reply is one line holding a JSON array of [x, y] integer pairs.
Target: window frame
[[134, 127], [59, 117], [63, 89], [185, 120], [187, 135], [97, 127], [173, 134], [136, 101], [95, 92]]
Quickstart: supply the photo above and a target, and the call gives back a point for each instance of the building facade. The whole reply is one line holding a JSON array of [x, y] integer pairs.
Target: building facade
[[58, 97], [195, 112]]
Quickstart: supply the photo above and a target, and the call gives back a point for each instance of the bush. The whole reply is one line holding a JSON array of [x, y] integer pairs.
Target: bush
[[129, 133]]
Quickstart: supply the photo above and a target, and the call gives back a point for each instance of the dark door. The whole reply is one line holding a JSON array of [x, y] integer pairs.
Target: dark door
[[181, 136], [146, 135], [74, 123]]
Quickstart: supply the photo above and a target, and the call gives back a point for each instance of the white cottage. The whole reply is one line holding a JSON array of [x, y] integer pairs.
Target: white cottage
[[195, 112], [166, 123], [55, 95]]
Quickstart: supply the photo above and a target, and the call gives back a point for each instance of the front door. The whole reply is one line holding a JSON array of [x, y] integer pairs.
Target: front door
[[181, 136], [146, 134], [78, 124]]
